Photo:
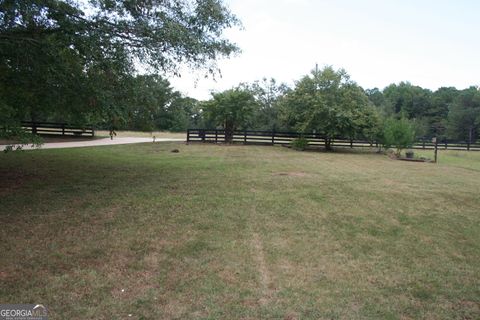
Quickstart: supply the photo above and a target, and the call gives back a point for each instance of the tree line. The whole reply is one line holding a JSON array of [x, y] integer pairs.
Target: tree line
[[329, 103], [78, 62]]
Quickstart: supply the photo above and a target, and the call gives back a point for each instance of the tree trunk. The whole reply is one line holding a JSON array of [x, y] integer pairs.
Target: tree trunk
[[328, 144], [229, 128]]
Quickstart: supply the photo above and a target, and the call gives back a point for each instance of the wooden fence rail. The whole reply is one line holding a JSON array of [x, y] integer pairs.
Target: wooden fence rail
[[57, 129], [284, 137]]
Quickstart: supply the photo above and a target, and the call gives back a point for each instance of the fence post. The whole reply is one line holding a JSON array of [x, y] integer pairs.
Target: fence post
[[351, 143], [216, 135], [63, 129], [470, 135], [273, 137], [244, 136], [188, 136], [34, 128]]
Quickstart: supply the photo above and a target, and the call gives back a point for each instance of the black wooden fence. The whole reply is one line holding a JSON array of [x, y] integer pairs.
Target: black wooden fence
[[283, 137], [57, 129]]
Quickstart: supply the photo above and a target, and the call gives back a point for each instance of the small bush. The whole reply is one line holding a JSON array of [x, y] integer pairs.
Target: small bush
[[299, 144], [398, 134]]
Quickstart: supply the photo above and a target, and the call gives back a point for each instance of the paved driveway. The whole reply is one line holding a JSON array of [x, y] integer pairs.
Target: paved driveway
[[95, 142]]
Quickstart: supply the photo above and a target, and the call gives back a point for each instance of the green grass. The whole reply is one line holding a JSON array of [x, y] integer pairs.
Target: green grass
[[239, 232], [461, 159]]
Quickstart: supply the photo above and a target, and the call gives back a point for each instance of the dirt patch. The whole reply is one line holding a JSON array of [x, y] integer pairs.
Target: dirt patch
[[291, 316], [468, 305], [291, 174], [264, 273]]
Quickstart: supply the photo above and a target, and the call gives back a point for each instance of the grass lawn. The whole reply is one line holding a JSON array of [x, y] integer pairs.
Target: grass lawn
[[239, 232]]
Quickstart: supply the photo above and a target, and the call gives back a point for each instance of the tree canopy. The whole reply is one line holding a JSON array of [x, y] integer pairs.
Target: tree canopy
[[464, 115], [232, 109], [329, 103], [76, 59]]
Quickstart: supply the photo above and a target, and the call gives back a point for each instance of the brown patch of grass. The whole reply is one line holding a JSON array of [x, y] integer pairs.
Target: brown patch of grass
[[291, 174], [263, 272]]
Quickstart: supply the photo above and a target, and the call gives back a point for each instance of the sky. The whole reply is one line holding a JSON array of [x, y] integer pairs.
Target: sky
[[428, 43]]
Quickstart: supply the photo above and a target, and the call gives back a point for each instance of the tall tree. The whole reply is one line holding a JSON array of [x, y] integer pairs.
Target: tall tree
[[268, 94], [442, 101], [376, 96], [328, 102], [149, 98], [232, 109], [76, 56], [412, 101], [464, 115]]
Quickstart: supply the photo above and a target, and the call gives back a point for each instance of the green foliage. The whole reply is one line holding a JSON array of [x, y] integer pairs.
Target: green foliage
[[398, 134], [299, 144], [153, 105], [74, 61], [231, 109], [20, 138], [429, 109], [406, 98], [268, 94], [376, 96], [441, 103], [329, 103], [464, 115], [12, 130]]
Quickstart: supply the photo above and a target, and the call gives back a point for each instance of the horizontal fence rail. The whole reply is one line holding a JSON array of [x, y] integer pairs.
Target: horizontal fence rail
[[284, 137], [57, 129]]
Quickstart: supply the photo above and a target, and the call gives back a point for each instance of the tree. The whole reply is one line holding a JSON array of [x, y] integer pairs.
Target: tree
[[368, 124], [147, 104], [442, 101], [181, 114], [376, 97], [268, 95], [231, 109], [464, 115], [398, 133], [328, 102], [75, 58], [406, 98]]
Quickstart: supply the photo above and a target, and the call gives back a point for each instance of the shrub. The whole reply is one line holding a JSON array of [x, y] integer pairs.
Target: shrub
[[398, 134], [299, 144], [409, 154]]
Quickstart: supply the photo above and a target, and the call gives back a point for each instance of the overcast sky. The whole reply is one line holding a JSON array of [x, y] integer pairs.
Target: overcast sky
[[429, 43]]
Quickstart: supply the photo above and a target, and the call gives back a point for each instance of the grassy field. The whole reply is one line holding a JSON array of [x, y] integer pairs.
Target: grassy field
[[239, 232]]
